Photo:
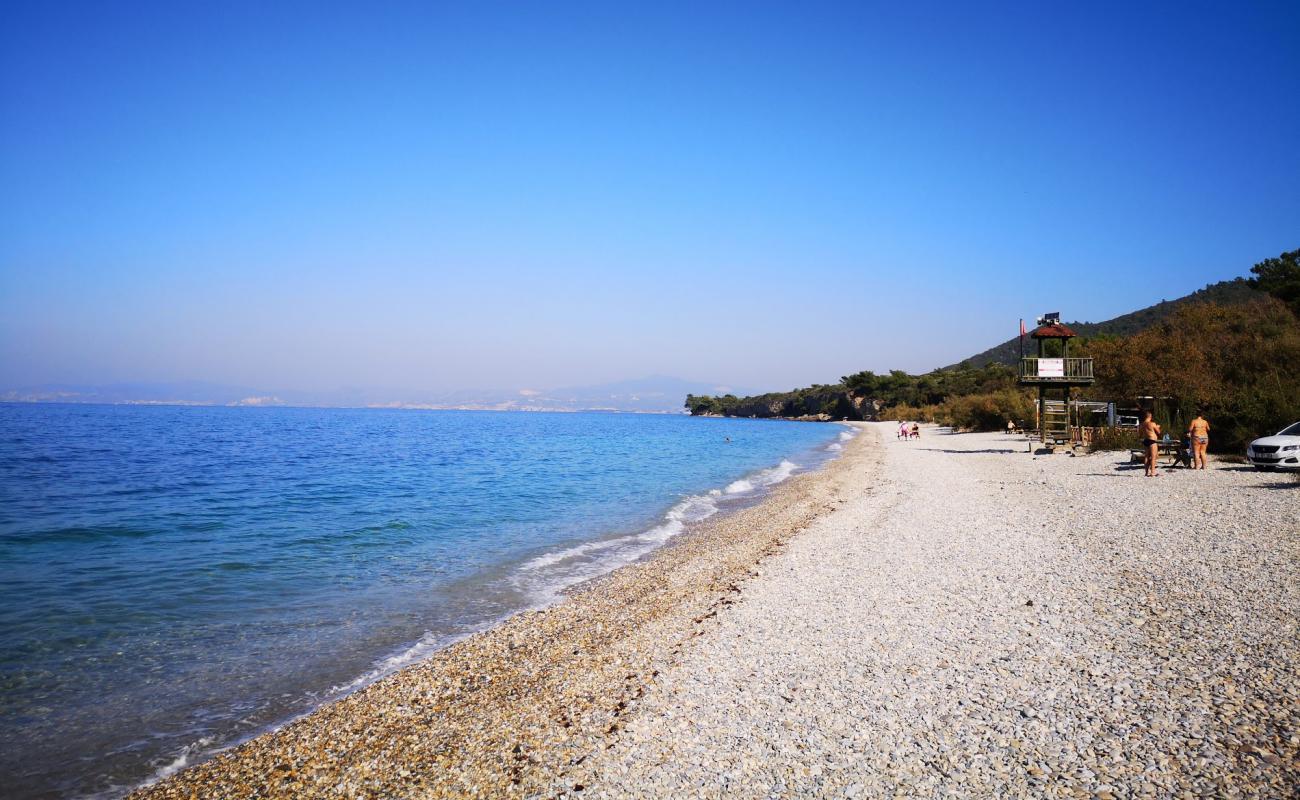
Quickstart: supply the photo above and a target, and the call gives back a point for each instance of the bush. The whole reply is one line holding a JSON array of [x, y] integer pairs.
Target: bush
[[903, 411], [1113, 439], [985, 412]]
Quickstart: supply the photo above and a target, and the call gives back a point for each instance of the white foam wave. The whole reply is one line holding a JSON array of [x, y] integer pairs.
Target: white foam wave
[[427, 645], [847, 435], [768, 477], [834, 446], [773, 476], [550, 559], [694, 509], [541, 579], [188, 752]]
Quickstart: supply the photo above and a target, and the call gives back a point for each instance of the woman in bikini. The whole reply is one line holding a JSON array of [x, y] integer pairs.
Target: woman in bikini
[[1149, 432], [1199, 432]]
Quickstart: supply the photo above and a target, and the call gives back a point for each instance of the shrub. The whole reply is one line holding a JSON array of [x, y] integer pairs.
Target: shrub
[[985, 412], [903, 411], [1113, 439]]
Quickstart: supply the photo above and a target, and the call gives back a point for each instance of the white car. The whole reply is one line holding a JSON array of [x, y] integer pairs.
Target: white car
[[1277, 452]]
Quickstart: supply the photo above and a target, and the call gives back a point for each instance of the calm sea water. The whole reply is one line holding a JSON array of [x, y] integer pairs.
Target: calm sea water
[[173, 580]]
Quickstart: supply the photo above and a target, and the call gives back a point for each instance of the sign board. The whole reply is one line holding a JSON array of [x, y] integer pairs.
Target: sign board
[[1051, 367]]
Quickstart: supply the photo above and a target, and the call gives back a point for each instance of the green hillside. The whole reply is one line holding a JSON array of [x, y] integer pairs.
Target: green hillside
[[1233, 292], [1223, 349], [865, 394]]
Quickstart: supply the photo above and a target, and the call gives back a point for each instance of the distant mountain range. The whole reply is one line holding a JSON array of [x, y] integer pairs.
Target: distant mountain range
[[658, 394], [1224, 293], [655, 394]]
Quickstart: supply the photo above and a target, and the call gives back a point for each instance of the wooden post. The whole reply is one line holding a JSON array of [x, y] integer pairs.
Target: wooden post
[[1042, 401], [1067, 405]]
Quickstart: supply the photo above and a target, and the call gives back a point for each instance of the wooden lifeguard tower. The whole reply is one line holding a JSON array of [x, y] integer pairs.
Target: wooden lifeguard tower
[[1054, 378]]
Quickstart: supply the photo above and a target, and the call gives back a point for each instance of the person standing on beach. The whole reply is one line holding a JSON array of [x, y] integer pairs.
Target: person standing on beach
[[902, 429], [1149, 433], [1199, 431]]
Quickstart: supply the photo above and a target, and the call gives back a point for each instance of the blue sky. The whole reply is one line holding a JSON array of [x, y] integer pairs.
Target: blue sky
[[527, 195]]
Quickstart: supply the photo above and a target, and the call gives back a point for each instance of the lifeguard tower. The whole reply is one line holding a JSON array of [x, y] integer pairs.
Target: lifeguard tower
[[1054, 376]]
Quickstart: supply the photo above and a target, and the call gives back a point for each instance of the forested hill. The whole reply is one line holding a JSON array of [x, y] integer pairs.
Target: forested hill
[[1238, 333], [1225, 293]]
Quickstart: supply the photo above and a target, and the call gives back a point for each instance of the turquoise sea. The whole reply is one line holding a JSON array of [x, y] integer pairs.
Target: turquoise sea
[[176, 579]]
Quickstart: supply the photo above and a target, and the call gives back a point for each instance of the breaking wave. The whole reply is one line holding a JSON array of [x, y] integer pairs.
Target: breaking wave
[[543, 578]]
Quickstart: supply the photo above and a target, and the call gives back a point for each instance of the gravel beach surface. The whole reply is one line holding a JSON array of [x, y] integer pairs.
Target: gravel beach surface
[[950, 616], [980, 622]]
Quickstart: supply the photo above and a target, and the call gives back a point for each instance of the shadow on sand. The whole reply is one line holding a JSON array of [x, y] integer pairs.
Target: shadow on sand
[[1128, 466], [965, 452]]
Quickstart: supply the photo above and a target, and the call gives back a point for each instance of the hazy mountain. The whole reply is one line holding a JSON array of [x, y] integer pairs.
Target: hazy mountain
[[658, 394], [655, 393], [175, 393]]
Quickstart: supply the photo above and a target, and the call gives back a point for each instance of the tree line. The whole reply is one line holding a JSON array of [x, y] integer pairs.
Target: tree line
[[1239, 363]]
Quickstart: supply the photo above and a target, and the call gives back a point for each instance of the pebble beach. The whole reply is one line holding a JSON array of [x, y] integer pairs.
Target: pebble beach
[[946, 617]]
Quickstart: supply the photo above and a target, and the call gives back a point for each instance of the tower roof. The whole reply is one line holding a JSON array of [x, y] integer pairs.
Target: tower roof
[[1054, 331]]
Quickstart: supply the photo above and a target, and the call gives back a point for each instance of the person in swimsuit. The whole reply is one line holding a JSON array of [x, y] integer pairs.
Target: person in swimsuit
[[1199, 431], [902, 430], [1149, 433], [916, 431]]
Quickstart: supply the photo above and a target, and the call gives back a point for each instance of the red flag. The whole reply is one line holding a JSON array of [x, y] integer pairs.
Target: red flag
[[1022, 327]]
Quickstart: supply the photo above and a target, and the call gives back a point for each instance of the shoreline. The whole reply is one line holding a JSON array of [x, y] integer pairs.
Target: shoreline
[[508, 709]]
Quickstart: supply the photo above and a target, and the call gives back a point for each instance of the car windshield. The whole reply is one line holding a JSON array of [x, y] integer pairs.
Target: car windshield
[[1294, 430]]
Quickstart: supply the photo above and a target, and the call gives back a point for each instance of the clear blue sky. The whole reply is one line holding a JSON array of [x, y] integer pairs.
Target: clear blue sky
[[536, 194]]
